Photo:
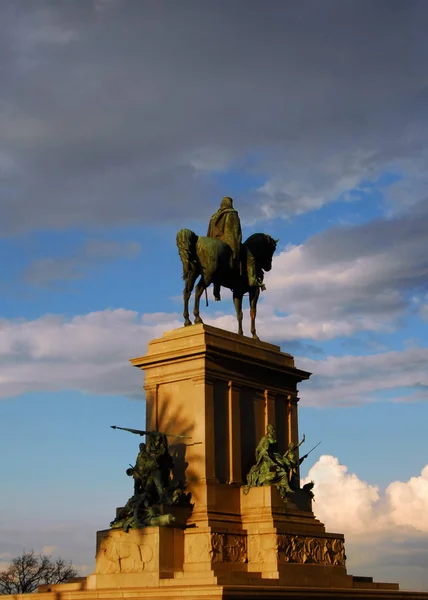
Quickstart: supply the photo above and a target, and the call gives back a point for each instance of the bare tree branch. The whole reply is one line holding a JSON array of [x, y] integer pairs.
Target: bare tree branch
[[28, 571]]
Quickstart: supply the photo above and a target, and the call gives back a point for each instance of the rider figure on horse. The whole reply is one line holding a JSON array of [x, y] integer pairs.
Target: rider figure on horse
[[226, 225]]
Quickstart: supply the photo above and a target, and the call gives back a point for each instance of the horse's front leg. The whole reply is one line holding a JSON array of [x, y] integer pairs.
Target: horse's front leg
[[198, 293], [254, 296], [237, 301]]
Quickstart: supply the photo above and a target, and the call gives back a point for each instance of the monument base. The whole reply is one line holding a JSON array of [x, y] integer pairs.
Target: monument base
[[275, 546], [222, 390]]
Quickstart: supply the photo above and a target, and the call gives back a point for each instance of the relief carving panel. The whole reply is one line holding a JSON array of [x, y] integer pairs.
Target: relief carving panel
[[317, 550], [229, 547], [118, 556]]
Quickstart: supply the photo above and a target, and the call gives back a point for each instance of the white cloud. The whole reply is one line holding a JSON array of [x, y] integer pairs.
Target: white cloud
[[90, 353], [341, 295], [342, 500], [357, 379], [86, 352], [385, 533], [350, 505], [409, 502]]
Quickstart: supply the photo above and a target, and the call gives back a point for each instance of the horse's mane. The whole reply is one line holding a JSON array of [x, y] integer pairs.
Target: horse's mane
[[260, 240]]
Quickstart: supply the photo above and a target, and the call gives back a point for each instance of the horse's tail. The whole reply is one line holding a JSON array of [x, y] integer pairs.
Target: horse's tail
[[186, 244]]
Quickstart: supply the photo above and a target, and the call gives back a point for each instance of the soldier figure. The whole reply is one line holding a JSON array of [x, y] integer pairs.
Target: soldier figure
[[264, 471], [144, 465], [225, 225], [157, 449], [273, 468], [152, 469], [289, 459]]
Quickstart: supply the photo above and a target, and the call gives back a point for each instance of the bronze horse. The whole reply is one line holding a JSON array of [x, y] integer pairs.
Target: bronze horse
[[210, 259]]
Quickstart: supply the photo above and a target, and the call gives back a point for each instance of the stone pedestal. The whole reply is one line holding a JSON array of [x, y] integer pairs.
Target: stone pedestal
[[141, 557], [221, 390], [287, 544]]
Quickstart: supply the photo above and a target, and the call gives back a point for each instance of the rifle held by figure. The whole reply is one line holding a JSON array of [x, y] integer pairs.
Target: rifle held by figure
[[141, 432]]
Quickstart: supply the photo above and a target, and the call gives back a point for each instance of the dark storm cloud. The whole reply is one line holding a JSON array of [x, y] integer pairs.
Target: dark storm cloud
[[114, 112]]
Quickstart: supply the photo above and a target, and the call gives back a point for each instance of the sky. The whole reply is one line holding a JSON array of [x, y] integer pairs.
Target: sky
[[122, 122]]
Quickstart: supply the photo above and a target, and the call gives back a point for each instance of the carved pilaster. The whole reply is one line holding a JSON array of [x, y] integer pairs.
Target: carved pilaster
[[152, 392], [234, 429], [204, 391], [294, 419], [270, 417], [293, 429]]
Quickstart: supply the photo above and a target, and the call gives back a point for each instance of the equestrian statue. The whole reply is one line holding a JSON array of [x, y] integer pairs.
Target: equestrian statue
[[222, 259]]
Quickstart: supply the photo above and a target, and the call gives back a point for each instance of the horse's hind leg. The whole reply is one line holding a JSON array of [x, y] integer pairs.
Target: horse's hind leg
[[201, 286], [190, 282], [237, 301], [254, 296]]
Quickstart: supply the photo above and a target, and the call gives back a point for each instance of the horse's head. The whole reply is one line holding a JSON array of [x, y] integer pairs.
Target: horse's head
[[262, 246], [266, 262]]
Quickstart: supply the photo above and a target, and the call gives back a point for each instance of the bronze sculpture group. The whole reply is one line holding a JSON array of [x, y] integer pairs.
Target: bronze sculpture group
[[154, 486], [274, 468], [222, 259]]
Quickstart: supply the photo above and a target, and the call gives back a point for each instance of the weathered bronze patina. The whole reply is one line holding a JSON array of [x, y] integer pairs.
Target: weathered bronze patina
[[273, 468], [225, 225], [222, 259], [154, 485]]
